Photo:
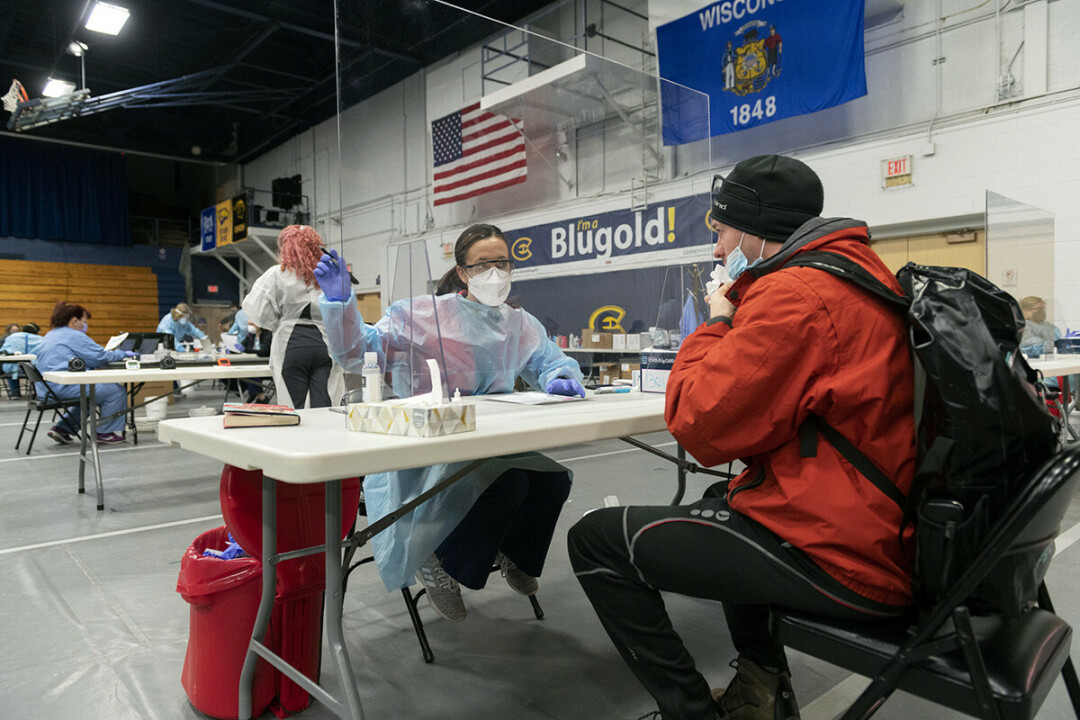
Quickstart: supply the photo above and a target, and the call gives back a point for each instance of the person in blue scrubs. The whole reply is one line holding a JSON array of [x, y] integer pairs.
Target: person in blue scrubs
[[67, 340], [177, 322], [504, 512], [23, 342]]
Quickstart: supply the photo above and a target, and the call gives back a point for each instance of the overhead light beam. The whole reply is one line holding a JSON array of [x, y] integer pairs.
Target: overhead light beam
[[107, 18]]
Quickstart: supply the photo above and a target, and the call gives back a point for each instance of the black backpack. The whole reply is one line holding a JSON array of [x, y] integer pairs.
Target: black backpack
[[983, 427]]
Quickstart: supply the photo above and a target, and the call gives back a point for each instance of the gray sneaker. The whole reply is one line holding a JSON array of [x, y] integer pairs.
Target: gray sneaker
[[516, 578], [443, 592]]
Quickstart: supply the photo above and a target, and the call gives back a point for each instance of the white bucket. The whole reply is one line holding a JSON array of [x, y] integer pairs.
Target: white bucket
[[157, 410]]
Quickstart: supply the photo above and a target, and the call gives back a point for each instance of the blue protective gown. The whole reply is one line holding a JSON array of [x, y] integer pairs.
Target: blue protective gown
[[16, 343], [239, 326], [181, 330], [483, 350], [55, 351]]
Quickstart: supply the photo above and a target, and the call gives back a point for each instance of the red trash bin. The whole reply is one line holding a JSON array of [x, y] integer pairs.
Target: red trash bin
[[224, 597], [296, 622]]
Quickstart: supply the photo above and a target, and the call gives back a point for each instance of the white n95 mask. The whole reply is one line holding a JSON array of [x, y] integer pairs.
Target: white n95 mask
[[490, 287]]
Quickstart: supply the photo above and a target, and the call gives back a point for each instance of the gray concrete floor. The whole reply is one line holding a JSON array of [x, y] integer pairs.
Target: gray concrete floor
[[91, 625]]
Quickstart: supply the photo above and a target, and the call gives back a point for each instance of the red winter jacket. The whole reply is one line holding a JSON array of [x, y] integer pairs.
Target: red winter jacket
[[803, 341]]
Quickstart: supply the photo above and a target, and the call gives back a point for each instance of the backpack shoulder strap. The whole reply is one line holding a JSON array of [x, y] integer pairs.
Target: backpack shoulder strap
[[847, 269]]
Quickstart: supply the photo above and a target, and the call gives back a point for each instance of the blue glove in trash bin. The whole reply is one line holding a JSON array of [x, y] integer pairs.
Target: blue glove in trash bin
[[233, 551], [565, 386], [333, 276]]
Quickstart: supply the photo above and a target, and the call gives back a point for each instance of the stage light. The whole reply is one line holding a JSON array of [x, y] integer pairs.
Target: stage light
[[107, 18], [57, 88]]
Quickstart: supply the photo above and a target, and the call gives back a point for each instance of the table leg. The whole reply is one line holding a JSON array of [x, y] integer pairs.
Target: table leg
[[82, 438], [339, 654], [92, 439], [266, 603]]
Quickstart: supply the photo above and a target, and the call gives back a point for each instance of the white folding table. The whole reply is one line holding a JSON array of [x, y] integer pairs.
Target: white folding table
[[320, 449], [87, 381]]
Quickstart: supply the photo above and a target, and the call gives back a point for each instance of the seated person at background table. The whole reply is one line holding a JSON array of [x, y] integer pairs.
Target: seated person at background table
[[505, 511], [177, 322], [239, 321], [23, 342], [10, 329], [66, 340], [1039, 335], [257, 341], [285, 301], [800, 527]]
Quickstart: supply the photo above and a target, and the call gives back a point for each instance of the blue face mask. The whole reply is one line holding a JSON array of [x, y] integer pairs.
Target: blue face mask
[[735, 263]]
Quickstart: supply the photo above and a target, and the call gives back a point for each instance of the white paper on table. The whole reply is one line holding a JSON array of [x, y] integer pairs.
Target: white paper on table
[[230, 342], [532, 397], [115, 340]]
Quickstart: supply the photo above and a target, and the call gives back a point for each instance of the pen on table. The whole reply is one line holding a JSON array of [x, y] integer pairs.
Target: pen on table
[[608, 389]]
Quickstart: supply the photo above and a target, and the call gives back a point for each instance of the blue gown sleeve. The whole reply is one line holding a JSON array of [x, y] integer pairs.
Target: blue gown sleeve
[[93, 354], [545, 360], [348, 335]]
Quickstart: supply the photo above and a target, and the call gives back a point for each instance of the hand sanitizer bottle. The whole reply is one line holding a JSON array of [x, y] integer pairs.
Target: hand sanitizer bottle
[[372, 378]]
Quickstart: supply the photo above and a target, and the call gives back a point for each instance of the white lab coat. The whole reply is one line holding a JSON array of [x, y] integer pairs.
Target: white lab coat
[[275, 302]]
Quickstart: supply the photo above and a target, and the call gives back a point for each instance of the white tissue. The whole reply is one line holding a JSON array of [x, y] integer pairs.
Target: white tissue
[[435, 397], [719, 277]]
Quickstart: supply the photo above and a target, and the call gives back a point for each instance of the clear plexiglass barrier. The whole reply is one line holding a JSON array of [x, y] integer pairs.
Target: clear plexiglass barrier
[[1020, 258], [525, 127]]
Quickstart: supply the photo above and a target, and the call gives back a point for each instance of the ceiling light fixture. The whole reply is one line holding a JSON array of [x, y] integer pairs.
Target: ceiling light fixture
[[57, 88], [107, 18]]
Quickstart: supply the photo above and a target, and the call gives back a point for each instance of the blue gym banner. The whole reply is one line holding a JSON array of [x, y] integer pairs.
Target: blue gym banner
[[678, 223], [761, 61]]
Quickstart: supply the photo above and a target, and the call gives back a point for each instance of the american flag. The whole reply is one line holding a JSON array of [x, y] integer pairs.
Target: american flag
[[476, 152]]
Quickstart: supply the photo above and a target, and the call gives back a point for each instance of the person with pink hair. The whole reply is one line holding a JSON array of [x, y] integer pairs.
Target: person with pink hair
[[284, 300]]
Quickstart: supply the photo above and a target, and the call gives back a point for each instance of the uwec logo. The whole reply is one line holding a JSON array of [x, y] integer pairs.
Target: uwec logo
[[521, 249], [588, 239], [607, 318]]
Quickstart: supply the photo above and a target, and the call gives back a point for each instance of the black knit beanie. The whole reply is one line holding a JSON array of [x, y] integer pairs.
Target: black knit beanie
[[785, 193]]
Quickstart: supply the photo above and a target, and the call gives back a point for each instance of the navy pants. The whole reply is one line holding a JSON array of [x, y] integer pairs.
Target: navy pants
[[624, 557], [515, 515]]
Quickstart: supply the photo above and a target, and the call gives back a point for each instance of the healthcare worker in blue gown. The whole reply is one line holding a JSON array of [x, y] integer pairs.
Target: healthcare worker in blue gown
[[66, 340], [504, 512], [24, 342], [177, 322]]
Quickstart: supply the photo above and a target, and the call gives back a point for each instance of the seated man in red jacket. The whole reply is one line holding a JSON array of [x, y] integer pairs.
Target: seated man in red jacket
[[800, 527]]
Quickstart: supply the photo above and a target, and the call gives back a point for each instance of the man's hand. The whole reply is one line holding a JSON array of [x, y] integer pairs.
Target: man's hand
[[719, 305]]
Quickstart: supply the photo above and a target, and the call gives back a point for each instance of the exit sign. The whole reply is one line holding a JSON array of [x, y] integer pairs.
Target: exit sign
[[896, 172]]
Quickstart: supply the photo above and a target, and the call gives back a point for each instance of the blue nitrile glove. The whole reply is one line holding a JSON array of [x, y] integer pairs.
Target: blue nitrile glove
[[129, 353], [565, 386], [333, 276], [230, 553]]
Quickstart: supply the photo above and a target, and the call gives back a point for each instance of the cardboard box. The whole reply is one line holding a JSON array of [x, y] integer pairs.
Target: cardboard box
[[638, 341], [154, 389], [596, 340], [407, 417], [606, 372], [627, 370], [655, 368]]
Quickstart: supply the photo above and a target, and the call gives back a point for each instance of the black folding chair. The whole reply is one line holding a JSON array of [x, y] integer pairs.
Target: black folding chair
[[411, 599], [989, 666], [51, 401]]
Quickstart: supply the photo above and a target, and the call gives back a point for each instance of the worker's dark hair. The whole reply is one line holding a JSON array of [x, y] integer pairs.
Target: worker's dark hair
[[64, 311], [451, 282], [31, 328]]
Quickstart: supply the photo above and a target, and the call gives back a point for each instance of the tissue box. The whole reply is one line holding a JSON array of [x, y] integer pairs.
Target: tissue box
[[405, 417], [655, 368]]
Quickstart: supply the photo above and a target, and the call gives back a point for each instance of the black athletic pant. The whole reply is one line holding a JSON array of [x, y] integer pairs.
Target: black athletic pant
[[517, 515], [306, 369], [623, 557]]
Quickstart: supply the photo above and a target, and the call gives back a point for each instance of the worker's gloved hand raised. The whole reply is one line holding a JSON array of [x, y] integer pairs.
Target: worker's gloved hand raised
[[565, 386], [333, 276]]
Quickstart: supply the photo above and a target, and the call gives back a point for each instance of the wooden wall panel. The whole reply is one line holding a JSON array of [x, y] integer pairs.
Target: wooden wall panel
[[119, 298]]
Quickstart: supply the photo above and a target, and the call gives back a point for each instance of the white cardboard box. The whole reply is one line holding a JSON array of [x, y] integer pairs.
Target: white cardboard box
[[407, 417]]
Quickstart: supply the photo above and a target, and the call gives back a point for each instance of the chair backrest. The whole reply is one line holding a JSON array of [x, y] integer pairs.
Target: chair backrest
[[34, 376], [1030, 522]]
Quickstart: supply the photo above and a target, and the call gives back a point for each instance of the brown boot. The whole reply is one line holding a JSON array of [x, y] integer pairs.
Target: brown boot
[[756, 694]]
